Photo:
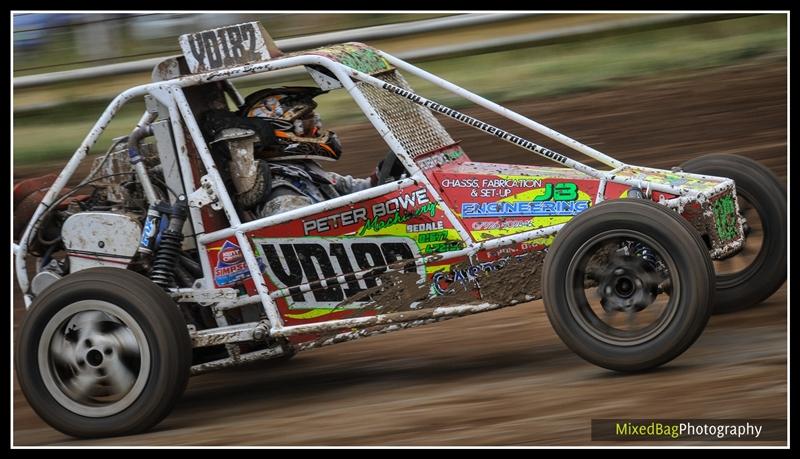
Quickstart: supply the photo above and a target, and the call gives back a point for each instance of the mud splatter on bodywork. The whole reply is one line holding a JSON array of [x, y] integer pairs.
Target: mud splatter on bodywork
[[522, 273]]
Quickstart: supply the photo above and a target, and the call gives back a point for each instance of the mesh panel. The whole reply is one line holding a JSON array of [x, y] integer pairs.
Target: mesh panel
[[413, 125]]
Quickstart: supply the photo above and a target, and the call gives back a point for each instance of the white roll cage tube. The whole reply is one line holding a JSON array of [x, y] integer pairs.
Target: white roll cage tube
[[170, 94]]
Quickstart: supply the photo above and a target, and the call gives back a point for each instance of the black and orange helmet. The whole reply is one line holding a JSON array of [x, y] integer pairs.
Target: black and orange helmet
[[297, 127]]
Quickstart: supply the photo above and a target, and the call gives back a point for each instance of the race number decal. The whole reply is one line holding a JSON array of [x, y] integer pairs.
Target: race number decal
[[294, 261], [225, 47]]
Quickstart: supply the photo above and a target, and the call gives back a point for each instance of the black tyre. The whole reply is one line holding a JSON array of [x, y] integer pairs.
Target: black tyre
[[103, 352], [628, 285], [759, 269]]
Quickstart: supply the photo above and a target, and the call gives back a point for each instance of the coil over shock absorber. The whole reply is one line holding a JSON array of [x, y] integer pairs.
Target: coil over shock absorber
[[169, 246]]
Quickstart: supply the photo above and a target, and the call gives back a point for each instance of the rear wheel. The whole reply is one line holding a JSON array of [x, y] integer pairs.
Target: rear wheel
[[759, 269], [103, 352], [628, 285]]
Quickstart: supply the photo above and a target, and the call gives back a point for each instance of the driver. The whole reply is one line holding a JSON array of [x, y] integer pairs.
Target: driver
[[272, 147]]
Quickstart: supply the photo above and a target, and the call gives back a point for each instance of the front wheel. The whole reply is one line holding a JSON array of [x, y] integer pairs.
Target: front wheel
[[103, 352], [759, 269], [628, 285]]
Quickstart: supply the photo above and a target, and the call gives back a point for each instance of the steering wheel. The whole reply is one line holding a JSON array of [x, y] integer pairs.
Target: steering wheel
[[389, 169]]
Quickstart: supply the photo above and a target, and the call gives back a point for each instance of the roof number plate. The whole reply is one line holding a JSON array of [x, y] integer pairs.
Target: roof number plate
[[228, 46]]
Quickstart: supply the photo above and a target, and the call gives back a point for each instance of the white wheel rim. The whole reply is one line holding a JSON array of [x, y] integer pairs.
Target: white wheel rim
[[94, 358]]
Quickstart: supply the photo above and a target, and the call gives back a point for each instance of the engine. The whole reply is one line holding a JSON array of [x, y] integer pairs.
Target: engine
[[102, 226]]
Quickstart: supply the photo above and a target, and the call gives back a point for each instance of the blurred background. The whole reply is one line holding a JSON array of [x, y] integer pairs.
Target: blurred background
[[511, 57], [648, 89]]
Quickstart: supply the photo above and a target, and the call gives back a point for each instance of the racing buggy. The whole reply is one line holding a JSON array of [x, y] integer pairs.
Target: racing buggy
[[157, 272]]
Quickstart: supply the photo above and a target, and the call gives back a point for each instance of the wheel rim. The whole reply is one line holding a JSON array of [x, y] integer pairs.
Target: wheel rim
[[620, 287], [94, 358], [740, 267]]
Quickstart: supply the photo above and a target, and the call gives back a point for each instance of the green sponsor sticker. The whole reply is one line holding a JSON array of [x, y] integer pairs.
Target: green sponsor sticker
[[725, 218], [565, 191], [364, 60]]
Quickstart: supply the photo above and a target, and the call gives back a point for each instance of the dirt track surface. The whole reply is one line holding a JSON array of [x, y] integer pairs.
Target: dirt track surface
[[505, 378]]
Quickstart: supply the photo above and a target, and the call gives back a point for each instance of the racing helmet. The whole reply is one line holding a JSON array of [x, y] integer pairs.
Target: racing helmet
[[297, 127]]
